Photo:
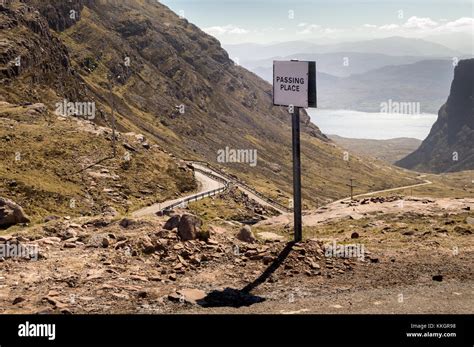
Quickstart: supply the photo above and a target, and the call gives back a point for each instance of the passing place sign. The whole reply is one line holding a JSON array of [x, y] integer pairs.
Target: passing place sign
[[290, 83]]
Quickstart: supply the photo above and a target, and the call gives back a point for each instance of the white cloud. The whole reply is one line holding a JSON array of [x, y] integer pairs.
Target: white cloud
[[308, 28], [464, 24], [226, 30], [418, 23], [315, 29], [330, 31], [426, 25], [389, 27]]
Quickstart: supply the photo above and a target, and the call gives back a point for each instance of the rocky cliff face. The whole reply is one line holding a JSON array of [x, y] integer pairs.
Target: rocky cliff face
[[170, 81], [34, 62], [450, 144]]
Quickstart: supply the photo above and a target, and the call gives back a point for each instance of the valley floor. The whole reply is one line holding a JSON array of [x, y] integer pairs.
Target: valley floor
[[414, 261]]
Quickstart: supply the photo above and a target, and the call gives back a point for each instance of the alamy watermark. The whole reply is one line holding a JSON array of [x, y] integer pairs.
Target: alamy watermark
[[37, 330], [78, 109], [25, 251], [345, 251], [229, 155], [400, 107]]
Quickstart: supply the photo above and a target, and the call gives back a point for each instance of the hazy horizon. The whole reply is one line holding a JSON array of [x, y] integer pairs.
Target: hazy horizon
[[265, 22]]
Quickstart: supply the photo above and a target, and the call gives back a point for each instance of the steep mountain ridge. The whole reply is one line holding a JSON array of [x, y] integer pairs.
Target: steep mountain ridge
[[450, 144]]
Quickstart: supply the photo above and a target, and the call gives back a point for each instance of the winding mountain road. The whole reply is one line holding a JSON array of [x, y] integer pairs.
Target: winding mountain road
[[210, 181], [206, 185], [250, 194]]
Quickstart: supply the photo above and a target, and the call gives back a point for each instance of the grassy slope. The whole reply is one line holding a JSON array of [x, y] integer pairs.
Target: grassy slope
[[54, 153]]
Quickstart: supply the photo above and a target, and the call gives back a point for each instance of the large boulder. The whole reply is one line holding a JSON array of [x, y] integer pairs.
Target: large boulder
[[11, 213], [172, 223], [189, 227], [245, 234]]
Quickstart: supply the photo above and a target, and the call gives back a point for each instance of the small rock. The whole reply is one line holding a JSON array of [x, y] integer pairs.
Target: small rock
[[438, 278], [70, 245], [267, 259], [110, 211], [191, 295], [50, 218], [126, 222], [105, 242], [18, 300], [463, 231], [245, 235], [178, 246], [129, 147], [138, 278], [142, 294], [69, 234], [354, 235], [120, 244], [275, 167]]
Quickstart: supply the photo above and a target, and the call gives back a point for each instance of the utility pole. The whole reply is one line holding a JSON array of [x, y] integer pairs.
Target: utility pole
[[112, 106], [296, 175], [352, 186]]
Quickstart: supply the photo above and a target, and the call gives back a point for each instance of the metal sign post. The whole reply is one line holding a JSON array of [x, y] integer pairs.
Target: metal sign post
[[294, 85], [296, 175]]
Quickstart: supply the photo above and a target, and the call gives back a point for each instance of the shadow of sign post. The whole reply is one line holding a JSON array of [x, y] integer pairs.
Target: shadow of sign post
[[231, 297]]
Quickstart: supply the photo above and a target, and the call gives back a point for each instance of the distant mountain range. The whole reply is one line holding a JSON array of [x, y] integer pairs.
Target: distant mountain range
[[340, 64], [450, 144], [425, 82], [361, 75], [395, 46]]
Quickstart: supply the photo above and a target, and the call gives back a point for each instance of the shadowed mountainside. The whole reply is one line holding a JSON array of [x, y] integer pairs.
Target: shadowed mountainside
[[450, 145]]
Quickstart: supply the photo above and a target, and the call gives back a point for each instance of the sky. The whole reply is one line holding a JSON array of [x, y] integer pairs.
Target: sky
[[325, 21]]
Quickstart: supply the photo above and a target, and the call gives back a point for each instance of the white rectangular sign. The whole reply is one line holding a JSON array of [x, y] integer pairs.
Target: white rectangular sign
[[290, 83]]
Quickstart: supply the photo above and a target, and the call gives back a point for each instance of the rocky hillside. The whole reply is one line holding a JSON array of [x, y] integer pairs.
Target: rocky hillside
[[57, 166], [171, 82], [450, 144]]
